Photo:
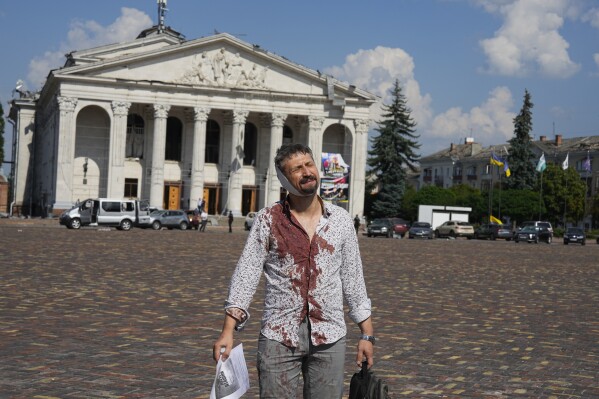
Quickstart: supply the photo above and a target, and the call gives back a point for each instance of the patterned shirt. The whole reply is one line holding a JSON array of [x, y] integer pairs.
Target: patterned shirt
[[303, 278]]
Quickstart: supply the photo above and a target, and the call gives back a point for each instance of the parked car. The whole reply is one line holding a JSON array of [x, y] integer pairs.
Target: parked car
[[537, 223], [194, 219], [380, 227], [534, 234], [400, 227], [249, 220], [454, 229], [575, 235], [421, 230], [169, 219], [492, 231]]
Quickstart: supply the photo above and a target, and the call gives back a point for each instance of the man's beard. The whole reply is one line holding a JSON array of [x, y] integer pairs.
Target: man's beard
[[309, 190]]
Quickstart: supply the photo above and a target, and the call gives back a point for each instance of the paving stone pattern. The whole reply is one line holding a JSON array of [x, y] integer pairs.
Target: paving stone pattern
[[101, 313]]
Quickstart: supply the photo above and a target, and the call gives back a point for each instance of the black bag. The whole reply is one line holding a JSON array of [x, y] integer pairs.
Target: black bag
[[366, 385]]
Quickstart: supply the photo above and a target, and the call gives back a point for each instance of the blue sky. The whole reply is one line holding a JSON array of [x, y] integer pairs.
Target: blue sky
[[463, 64]]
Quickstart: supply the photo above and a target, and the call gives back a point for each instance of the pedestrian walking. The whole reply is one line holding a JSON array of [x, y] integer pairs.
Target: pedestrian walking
[[309, 252], [203, 220], [357, 223], [230, 222]]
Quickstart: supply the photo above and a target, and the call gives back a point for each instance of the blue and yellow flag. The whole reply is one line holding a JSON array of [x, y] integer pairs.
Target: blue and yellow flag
[[496, 160], [493, 219]]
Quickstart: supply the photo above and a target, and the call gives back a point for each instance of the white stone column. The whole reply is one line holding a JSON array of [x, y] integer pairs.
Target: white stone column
[[200, 117], [276, 140], [315, 138], [158, 148], [358, 167], [236, 166], [118, 142], [66, 152]]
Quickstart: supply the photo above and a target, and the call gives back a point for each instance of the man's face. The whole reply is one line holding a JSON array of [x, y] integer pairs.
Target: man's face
[[302, 173]]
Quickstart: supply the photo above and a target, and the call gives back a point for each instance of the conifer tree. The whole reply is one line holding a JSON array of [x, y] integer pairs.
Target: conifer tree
[[1, 136], [393, 150], [521, 158]]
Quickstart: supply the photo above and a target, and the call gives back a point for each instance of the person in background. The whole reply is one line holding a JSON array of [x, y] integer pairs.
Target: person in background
[[357, 223], [203, 220], [308, 250], [230, 221]]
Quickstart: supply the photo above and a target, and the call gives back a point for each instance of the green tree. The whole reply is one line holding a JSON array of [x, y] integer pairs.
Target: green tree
[[409, 207], [393, 150], [595, 211], [1, 136], [433, 195], [563, 191], [467, 196], [521, 158], [519, 205]]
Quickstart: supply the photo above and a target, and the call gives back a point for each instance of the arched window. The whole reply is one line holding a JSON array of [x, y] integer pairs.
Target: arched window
[[212, 142], [287, 135], [174, 138], [250, 142], [135, 136]]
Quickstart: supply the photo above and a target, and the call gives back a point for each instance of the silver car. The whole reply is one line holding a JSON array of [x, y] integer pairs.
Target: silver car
[[421, 230], [169, 219]]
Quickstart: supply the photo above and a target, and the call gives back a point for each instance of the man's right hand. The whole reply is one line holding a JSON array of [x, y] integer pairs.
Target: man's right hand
[[225, 340]]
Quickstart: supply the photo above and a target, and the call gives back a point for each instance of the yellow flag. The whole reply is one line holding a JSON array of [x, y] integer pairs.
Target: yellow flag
[[493, 219]]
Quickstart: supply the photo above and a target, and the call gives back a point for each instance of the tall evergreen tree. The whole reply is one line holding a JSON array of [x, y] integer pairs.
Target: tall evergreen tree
[[393, 150], [1, 136], [521, 158]]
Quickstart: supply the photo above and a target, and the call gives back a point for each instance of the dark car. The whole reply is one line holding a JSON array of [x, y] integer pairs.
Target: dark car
[[380, 227], [492, 231], [421, 230], [575, 235], [400, 227], [534, 234], [169, 219], [194, 219]]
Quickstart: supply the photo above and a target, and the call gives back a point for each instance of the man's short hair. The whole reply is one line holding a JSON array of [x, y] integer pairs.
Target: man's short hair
[[286, 151]]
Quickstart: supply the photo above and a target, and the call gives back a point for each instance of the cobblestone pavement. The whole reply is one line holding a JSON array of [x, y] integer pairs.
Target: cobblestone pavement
[[101, 313]]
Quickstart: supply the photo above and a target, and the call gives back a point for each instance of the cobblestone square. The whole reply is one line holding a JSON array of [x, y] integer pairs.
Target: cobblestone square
[[101, 313]]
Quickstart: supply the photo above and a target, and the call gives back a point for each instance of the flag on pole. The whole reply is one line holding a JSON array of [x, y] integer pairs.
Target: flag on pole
[[586, 165], [493, 219], [541, 165], [496, 160], [565, 163]]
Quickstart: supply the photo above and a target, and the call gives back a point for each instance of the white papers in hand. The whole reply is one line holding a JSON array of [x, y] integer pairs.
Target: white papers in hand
[[232, 379]]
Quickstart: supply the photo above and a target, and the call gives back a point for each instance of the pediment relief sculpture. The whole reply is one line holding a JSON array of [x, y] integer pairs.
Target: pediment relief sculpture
[[226, 70]]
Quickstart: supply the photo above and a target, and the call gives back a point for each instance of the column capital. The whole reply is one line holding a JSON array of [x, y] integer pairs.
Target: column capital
[[161, 110], [200, 114], [240, 116], [361, 125], [315, 122], [120, 108], [66, 104], [278, 119]]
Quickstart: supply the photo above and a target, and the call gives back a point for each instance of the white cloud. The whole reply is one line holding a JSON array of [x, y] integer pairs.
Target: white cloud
[[377, 69], [88, 34], [529, 40], [596, 59], [592, 17], [489, 123]]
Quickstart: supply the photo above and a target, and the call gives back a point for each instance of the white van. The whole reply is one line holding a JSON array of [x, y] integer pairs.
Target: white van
[[120, 213]]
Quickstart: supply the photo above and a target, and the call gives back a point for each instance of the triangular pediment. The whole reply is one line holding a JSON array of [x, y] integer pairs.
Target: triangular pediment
[[215, 62]]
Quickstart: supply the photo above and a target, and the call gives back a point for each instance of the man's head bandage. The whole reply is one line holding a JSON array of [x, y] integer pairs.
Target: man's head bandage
[[287, 185]]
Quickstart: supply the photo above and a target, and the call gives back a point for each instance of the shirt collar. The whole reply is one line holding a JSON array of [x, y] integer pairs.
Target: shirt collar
[[326, 212]]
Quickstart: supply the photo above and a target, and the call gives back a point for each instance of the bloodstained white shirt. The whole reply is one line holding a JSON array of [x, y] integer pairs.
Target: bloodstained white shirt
[[303, 277]]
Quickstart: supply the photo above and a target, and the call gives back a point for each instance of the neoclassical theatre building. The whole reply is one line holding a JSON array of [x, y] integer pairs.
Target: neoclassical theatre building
[[173, 120]]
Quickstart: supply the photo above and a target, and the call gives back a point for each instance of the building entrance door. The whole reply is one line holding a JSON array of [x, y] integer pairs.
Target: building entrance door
[[172, 196]]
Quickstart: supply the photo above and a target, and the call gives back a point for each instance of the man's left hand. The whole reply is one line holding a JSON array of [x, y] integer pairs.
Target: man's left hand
[[365, 353]]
